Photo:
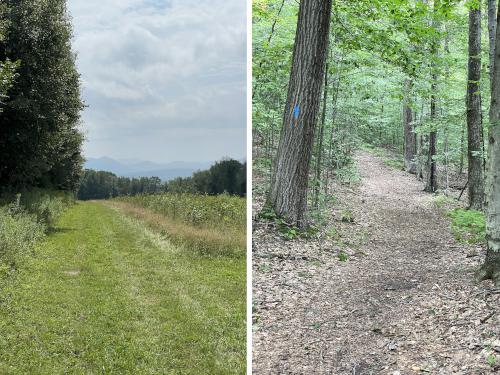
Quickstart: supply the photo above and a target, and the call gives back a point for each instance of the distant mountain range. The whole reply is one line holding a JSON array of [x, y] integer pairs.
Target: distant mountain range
[[141, 168]]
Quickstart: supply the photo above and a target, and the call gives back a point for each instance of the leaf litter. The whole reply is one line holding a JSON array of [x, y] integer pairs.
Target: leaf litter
[[403, 302]]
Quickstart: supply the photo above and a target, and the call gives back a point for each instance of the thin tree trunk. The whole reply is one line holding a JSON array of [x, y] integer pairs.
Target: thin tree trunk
[[420, 148], [491, 265], [492, 21], [462, 151], [273, 27], [474, 120], [288, 193], [446, 160], [431, 181], [335, 95], [269, 39], [410, 140], [320, 143]]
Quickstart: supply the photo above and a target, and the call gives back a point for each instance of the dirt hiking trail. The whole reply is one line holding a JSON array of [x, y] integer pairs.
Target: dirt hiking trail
[[405, 301]]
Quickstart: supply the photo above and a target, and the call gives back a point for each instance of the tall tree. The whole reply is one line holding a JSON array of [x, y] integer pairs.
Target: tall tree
[[474, 116], [410, 138], [288, 194], [319, 154], [491, 266], [41, 115], [431, 180], [7, 67], [492, 20]]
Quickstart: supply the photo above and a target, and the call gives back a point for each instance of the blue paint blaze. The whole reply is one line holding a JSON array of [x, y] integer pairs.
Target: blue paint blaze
[[296, 112]]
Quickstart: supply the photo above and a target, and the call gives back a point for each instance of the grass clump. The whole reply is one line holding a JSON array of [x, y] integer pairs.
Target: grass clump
[[343, 256], [468, 225]]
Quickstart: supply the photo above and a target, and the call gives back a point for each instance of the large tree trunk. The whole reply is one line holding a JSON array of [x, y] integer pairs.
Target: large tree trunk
[[288, 194], [474, 117], [491, 266], [410, 145]]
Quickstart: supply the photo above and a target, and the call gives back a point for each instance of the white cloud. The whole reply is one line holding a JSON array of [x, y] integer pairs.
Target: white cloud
[[151, 67]]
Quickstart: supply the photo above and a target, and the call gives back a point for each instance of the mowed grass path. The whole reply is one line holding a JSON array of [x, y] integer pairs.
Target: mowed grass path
[[105, 295]]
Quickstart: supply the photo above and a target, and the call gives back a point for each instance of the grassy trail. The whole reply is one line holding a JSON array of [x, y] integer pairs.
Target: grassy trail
[[105, 294]]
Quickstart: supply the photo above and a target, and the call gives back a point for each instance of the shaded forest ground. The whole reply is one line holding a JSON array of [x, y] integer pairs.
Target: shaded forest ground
[[403, 302], [106, 292]]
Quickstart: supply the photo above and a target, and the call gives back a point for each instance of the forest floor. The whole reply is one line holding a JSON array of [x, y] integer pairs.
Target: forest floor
[[404, 302], [104, 293]]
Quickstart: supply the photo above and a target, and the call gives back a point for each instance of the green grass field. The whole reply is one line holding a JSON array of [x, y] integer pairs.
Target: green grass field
[[105, 293]]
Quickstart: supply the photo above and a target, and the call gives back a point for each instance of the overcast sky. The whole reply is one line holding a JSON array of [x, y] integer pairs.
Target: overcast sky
[[164, 79]]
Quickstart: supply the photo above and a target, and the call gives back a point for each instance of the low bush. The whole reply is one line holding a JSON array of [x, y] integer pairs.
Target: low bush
[[24, 220], [468, 225]]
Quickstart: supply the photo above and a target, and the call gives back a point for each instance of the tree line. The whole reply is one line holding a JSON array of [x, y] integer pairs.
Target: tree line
[[417, 77], [40, 104], [225, 176]]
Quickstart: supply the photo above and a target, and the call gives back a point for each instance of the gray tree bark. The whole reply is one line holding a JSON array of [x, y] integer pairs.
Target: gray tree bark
[[492, 21], [491, 265], [319, 154], [431, 178], [410, 138], [289, 185], [474, 116]]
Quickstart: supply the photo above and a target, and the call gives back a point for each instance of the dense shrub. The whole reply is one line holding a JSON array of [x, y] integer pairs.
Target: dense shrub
[[24, 219], [19, 231]]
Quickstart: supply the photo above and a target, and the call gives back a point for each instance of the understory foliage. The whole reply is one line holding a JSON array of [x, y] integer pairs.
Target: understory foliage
[[380, 57], [226, 176], [468, 225], [24, 221]]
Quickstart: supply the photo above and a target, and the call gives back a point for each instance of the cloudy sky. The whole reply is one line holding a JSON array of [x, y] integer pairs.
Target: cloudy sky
[[164, 80]]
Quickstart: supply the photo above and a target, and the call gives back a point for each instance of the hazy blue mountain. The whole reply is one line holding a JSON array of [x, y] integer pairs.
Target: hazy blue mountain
[[143, 168]]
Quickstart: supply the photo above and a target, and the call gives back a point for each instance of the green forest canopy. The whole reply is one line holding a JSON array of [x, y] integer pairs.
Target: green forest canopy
[[40, 143], [225, 176]]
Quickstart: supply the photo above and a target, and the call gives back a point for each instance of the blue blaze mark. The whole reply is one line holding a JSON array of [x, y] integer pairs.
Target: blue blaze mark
[[296, 112]]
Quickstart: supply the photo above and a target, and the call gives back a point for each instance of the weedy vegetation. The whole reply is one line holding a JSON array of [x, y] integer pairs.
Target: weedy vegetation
[[25, 218], [211, 225], [468, 225]]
